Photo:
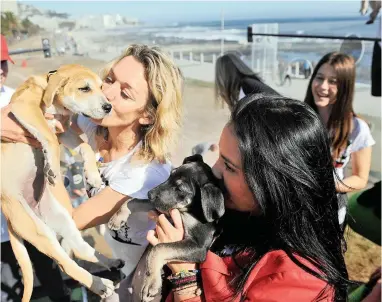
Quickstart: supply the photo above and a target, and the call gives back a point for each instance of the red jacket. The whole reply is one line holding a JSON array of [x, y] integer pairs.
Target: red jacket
[[275, 278]]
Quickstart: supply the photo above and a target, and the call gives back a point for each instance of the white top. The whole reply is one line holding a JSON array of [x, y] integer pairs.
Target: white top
[[5, 97], [359, 139], [134, 180]]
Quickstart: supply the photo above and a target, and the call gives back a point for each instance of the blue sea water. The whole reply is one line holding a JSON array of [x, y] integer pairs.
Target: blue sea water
[[319, 25], [235, 31]]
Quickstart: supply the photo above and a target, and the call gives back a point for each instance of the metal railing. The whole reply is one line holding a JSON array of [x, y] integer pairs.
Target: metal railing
[[46, 49], [27, 50], [250, 35]]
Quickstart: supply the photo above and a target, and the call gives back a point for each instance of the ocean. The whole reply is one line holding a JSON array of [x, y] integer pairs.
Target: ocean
[[236, 30], [235, 33]]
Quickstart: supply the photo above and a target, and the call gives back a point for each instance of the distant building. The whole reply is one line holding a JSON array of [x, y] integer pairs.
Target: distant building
[[10, 6], [104, 21], [110, 21], [89, 21]]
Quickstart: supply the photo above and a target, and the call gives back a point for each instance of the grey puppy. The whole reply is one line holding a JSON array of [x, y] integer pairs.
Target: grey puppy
[[197, 194]]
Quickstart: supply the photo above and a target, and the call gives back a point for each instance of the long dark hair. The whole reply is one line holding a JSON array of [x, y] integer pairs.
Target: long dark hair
[[287, 164], [230, 71], [340, 119]]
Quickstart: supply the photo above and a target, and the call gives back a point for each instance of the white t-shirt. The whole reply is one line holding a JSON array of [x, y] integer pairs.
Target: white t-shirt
[[359, 139], [5, 97], [134, 180]]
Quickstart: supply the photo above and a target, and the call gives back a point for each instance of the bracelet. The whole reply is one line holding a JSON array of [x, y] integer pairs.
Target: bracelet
[[181, 288], [192, 288], [184, 278], [183, 274], [183, 282]]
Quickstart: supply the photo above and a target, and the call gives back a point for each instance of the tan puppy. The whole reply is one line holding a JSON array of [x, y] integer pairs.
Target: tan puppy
[[33, 197], [375, 6]]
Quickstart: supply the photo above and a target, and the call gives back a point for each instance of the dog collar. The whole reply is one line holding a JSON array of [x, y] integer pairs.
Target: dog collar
[[51, 73]]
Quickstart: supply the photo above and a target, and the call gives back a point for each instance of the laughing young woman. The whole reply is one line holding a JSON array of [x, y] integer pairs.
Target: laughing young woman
[[330, 93]]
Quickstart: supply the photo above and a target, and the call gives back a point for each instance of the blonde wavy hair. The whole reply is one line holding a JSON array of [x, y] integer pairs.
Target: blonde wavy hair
[[164, 107]]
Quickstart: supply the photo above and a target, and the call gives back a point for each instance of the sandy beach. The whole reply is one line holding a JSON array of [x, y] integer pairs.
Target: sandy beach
[[203, 121]]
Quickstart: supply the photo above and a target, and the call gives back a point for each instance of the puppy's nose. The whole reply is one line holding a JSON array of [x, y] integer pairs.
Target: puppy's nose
[[107, 107]]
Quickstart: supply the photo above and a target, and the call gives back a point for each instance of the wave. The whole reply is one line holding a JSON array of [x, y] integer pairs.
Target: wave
[[203, 33]]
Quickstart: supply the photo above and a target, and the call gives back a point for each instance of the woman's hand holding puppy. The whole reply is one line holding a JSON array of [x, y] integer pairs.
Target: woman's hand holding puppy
[[12, 131], [165, 232]]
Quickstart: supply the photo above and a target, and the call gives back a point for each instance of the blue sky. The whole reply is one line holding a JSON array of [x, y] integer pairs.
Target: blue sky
[[177, 11]]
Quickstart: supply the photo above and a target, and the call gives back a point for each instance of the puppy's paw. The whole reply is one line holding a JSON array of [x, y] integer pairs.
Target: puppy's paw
[[49, 174], [119, 219], [114, 264], [102, 287], [48, 171], [94, 179], [152, 285], [371, 21], [109, 263]]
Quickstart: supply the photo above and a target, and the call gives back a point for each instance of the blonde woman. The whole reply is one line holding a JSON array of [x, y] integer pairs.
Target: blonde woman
[[144, 87]]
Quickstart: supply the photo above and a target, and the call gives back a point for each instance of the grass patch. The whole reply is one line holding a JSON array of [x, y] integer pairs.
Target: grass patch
[[362, 256]]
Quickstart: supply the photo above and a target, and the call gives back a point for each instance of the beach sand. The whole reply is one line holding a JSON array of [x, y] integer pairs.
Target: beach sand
[[203, 121]]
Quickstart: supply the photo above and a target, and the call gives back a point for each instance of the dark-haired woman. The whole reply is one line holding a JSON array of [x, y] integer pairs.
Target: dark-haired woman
[[280, 239], [234, 80]]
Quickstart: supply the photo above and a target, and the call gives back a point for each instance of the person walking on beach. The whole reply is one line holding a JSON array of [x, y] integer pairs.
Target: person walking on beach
[[306, 67], [284, 74]]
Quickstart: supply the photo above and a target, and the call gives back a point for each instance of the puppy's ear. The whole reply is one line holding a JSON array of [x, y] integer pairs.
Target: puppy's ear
[[212, 202], [55, 81], [193, 158]]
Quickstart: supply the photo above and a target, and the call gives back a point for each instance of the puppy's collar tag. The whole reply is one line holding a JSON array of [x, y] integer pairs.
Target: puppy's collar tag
[[100, 162]]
